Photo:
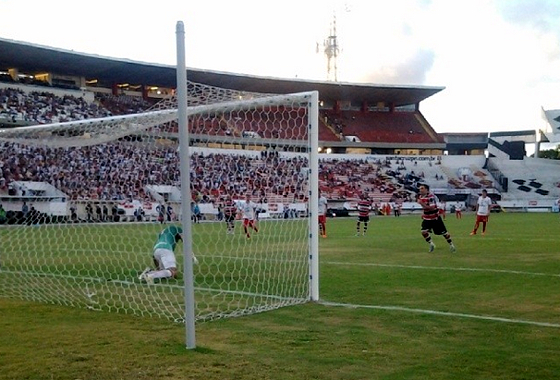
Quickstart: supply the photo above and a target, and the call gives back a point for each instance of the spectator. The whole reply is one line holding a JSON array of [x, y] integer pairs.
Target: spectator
[[170, 213], [25, 210], [195, 209], [161, 212], [3, 217], [89, 212], [105, 213]]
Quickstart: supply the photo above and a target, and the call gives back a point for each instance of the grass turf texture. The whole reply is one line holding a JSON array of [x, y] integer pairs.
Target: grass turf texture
[[391, 322]]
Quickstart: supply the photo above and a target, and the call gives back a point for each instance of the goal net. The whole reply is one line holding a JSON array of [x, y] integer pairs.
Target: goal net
[[87, 199]]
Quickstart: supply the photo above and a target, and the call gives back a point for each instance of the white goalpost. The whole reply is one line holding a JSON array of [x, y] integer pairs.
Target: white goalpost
[[88, 198]]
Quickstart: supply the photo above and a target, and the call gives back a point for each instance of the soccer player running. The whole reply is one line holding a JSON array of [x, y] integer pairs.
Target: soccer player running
[[364, 208], [431, 220], [459, 210], [230, 211], [483, 206], [164, 256], [322, 215], [248, 214]]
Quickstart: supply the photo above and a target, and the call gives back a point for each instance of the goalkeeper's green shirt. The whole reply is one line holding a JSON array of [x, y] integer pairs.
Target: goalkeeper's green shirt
[[167, 238]]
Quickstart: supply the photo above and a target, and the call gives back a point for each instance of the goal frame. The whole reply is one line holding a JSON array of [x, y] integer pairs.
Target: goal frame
[[184, 143], [241, 144]]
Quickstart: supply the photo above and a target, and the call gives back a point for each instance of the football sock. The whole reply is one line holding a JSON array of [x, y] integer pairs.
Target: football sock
[[164, 273]]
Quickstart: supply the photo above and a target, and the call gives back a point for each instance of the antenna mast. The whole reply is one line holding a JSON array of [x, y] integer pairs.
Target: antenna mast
[[331, 52]]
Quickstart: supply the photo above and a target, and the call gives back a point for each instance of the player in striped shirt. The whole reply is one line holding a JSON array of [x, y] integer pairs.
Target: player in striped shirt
[[364, 208], [230, 212], [431, 219]]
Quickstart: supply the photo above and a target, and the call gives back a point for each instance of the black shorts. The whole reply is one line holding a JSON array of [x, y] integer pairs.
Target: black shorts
[[436, 226], [364, 219], [229, 218]]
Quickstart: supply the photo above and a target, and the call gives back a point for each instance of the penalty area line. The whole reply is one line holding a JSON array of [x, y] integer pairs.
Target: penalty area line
[[443, 313], [458, 269]]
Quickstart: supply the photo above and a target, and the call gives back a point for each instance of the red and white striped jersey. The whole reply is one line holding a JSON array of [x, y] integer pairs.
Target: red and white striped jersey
[[364, 207], [432, 201], [230, 208]]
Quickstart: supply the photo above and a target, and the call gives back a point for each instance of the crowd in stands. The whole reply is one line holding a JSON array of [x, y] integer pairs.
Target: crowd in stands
[[121, 170], [350, 179], [112, 171], [214, 175], [123, 104], [43, 107]]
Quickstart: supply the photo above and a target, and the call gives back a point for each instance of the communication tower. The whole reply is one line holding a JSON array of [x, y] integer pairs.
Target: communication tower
[[331, 50]]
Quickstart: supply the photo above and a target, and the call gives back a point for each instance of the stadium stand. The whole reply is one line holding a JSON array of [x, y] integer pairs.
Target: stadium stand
[[385, 178], [402, 127], [531, 179]]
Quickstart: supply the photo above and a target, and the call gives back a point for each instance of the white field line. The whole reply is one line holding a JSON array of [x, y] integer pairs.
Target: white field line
[[450, 269], [435, 312], [143, 284], [443, 313]]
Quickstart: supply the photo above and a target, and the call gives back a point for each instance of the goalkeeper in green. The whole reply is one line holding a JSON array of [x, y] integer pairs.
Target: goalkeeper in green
[[164, 256]]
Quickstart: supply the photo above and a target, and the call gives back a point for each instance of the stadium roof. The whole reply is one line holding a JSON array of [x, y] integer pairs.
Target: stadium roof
[[527, 132], [31, 58]]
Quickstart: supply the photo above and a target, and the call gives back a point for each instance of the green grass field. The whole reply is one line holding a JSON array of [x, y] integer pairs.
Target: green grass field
[[388, 310]]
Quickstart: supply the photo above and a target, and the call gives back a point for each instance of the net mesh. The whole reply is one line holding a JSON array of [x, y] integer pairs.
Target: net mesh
[[84, 214]]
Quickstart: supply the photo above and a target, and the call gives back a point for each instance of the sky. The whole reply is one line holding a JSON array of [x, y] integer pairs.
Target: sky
[[499, 60]]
